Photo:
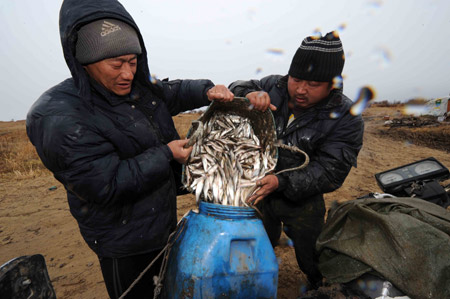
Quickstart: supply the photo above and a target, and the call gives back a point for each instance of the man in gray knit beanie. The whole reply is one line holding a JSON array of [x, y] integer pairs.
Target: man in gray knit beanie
[[104, 46], [106, 38], [108, 135]]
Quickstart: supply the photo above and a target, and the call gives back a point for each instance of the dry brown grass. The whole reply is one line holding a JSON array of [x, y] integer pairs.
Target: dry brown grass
[[437, 137], [183, 122], [385, 104], [37, 219], [18, 158]]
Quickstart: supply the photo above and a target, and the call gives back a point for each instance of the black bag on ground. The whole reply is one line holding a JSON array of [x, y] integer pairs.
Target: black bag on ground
[[26, 277]]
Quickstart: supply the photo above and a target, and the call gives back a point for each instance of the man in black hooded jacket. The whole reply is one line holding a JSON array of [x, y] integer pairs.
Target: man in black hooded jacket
[[108, 136], [316, 117]]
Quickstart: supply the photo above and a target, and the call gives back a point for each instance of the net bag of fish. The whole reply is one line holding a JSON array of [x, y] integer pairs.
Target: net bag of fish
[[233, 147]]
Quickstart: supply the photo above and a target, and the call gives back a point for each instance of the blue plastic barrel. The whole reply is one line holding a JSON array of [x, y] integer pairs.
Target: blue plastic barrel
[[222, 252]]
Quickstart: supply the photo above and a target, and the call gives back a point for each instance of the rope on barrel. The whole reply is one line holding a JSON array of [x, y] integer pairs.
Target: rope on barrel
[[293, 149], [162, 272], [166, 251], [286, 147]]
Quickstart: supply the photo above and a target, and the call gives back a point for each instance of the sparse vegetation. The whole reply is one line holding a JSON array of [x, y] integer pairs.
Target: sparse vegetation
[[386, 103], [18, 158], [183, 122], [416, 101], [422, 130], [437, 137], [35, 211]]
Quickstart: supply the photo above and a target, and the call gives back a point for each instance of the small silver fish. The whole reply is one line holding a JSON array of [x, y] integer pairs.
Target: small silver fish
[[226, 161]]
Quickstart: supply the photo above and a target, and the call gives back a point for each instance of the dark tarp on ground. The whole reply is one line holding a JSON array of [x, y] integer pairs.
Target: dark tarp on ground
[[406, 240]]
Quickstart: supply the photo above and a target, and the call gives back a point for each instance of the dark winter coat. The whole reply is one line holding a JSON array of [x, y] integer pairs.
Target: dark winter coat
[[111, 152], [327, 132]]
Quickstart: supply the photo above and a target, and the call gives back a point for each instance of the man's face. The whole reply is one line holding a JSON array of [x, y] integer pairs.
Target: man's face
[[115, 74], [305, 94]]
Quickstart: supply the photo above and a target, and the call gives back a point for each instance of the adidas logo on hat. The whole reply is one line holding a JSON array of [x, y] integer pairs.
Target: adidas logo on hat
[[108, 27], [106, 38]]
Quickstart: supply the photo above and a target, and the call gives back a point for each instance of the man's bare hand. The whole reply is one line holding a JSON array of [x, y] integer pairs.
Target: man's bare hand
[[266, 185], [180, 153], [220, 93], [260, 100]]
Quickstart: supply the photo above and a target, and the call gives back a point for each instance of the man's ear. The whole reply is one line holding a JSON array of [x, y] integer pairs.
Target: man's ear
[[330, 86], [86, 69]]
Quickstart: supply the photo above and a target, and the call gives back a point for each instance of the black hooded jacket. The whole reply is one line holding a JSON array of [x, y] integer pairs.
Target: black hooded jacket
[[110, 152], [328, 132]]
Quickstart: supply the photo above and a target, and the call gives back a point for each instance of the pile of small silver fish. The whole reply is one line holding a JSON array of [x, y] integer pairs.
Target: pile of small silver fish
[[226, 161]]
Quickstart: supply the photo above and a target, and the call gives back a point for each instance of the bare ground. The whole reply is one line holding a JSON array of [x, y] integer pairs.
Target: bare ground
[[35, 219]]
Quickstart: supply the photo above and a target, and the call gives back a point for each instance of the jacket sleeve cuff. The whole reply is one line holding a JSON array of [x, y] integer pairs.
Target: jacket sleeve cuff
[[282, 182], [167, 152], [205, 95]]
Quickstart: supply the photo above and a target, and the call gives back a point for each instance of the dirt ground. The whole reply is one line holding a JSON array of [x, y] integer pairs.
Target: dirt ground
[[35, 218]]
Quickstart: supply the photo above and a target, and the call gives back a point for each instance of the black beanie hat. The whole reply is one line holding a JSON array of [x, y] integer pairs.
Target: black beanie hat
[[318, 59], [106, 38]]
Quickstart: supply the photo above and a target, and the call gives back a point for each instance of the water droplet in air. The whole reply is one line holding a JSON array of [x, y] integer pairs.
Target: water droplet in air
[[366, 94], [251, 13], [361, 284], [408, 143], [375, 3], [275, 54], [334, 115], [373, 6], [382, 56], [153, 78], [372, 286], [342, 27], [335, 33], [275, 51], [316, 33], [337, 82], [415, 109]]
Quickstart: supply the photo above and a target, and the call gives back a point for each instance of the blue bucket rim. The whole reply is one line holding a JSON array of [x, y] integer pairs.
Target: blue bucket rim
[[226, 211]]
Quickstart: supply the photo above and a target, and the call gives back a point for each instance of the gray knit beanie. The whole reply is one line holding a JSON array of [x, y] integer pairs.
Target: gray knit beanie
[[318, 59], [106, 38]]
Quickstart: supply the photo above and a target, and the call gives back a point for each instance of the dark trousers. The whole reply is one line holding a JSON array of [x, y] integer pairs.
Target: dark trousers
[[302, 224], [120, 273]]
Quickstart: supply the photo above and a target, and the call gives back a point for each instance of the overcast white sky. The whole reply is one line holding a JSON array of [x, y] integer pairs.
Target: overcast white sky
[[400, 48]]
